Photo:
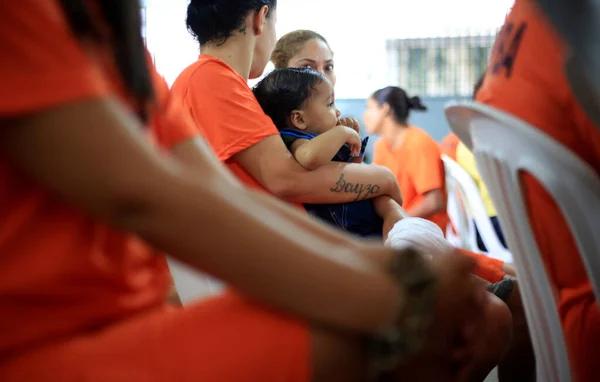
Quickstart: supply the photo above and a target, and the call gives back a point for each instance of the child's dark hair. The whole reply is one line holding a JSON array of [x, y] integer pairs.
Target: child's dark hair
[[285, 90], [124, 37], [400, 103], [216, 20]]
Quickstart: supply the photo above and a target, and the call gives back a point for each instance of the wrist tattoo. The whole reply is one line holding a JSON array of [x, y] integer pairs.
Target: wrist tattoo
[[362, 191]]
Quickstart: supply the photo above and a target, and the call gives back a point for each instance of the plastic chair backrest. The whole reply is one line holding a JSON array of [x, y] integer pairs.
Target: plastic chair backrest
[[505, 146], [460, 231], [461, 182]]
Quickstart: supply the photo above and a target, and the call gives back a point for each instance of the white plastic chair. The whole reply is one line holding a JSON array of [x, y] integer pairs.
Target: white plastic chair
[[466, 194], [504, 146], [458, 221]]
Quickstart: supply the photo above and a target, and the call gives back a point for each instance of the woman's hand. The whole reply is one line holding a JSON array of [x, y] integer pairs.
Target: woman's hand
[[456, 313], [456, 319]]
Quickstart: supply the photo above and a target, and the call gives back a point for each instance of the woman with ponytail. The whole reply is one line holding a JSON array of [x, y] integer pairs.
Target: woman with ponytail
[[409, 152]]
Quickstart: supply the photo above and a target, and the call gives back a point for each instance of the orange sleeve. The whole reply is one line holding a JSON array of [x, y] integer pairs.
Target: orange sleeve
[[226, 111], [487, 268], [42, 63], [173, 124], [427, 171]]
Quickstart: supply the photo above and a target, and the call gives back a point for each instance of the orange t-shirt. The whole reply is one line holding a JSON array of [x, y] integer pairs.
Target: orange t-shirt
[[526, 79], [449, 144], [62, 272], [225, 110], [418, 167]]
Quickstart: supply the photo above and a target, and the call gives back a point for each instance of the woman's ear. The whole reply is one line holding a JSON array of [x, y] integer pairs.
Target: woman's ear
[[386, 109], [259, 19], [297, 119]]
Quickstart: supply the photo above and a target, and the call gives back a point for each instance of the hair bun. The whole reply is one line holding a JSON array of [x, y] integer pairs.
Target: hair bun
[[204, 22], [416, 104]]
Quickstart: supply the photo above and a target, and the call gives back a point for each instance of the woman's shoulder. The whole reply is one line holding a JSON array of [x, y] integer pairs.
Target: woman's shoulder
[[209, 75], [420, 139], [211, 69], [420, 134]]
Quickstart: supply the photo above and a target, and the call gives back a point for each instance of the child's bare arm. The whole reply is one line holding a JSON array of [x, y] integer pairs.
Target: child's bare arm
[[320, 150]]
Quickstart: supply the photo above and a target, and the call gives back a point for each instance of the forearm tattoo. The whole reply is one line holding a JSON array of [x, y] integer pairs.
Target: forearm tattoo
[[361, 190]]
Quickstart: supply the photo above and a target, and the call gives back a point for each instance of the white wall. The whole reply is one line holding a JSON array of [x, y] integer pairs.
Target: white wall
[[356, 29]]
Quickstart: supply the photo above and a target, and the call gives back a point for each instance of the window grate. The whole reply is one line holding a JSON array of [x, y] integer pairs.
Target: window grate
[[440, 66]]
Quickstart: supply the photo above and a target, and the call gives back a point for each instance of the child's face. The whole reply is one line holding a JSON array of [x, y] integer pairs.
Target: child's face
[[319, 113]]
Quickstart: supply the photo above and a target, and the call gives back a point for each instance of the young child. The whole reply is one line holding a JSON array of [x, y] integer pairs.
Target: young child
[[301, 103]]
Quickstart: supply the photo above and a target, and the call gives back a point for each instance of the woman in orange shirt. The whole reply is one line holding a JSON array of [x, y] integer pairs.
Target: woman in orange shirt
[[85, 199], [526, 78], [409, 152], [214, 90]]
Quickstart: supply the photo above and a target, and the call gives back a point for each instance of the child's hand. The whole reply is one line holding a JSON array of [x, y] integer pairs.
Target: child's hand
[[353, 140], [351, 123]]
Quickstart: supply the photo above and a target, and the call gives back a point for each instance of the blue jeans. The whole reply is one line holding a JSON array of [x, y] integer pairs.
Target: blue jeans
[[358, 218]]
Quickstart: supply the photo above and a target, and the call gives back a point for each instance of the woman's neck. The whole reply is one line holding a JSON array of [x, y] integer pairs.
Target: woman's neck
[[236, 52], [393, 133]]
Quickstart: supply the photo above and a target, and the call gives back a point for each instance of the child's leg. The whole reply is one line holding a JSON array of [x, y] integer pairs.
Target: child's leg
[[389, 211]]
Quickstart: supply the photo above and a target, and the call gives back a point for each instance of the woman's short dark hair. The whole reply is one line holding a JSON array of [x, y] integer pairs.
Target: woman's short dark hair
[[285, 90], [400, 103], [123, 18], [214, 20]]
